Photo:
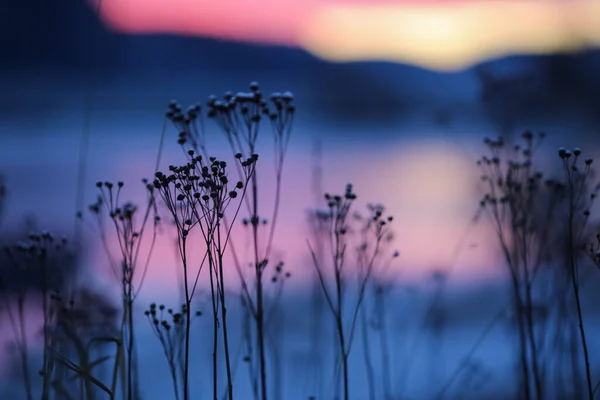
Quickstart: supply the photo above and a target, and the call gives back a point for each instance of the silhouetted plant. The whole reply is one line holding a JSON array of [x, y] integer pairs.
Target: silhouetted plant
[[197, 194], [26, 259], [2, 197], [239, 117], [129, 234], [378, 287], [240, 123], [580, 200], [526, 211], [170, 330], [340, 228], [515, 190], [82, 325], [318, 229]]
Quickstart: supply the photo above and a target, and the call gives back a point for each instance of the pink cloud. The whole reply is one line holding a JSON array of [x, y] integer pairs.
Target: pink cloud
[[405, 30], [256, 21]]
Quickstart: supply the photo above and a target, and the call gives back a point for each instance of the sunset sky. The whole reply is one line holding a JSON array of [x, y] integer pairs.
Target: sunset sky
[[392, 96], [443, 35]]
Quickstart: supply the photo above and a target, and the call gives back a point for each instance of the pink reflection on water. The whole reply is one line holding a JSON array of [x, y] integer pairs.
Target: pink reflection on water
[[426, 185]]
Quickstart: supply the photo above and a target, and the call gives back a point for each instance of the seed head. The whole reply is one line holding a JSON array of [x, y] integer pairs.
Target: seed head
[[287, 97], [562, 152], [527, 135]]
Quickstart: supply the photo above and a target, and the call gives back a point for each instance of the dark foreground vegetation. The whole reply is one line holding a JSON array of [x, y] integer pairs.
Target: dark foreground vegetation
[[87, 347]]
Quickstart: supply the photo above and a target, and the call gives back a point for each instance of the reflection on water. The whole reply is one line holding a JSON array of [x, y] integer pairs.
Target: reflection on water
[[427, 181]]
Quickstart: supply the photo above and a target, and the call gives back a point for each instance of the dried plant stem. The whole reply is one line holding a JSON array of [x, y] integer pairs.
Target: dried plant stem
[[338, 264], [215, 309], [260, 317], [465, 361], [339, 227], [130, 343], [367, 355], [186, 362], [46, 339], [512, 203], [23, 349], [383, 343], [249, 349], [224, 313], [575, 281]]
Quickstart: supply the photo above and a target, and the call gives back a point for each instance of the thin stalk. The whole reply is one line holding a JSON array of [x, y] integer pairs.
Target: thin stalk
[[224, 314], [215, 326], [367, 355], [581, 326], [575, 282], [45, 370], [249, 350], [130, 344], [468, 358], [383, 343], [575, 362], [339, 316], [532, 343], [344, 354], [24, 351], [529, 319], [259, 291], [522, 339], [115, 371], [186, 362]]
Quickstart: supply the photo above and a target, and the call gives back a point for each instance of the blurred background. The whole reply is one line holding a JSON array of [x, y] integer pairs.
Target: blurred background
[[394, 96]]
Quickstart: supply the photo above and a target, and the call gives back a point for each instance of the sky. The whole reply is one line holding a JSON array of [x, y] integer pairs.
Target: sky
[[443, 35]]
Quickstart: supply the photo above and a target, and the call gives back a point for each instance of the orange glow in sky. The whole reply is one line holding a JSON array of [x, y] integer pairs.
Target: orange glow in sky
[[440, 35]]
